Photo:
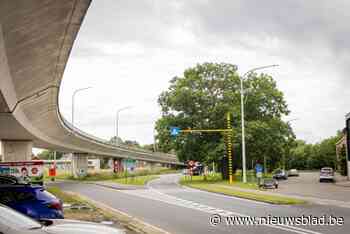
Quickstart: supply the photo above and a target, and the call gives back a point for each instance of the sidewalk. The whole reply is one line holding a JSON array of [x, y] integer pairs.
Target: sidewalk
[[117, 186], [315, 200]]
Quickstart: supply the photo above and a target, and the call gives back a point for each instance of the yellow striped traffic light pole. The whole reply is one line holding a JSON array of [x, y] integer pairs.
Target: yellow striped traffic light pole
[[229, 133], [229, 147]]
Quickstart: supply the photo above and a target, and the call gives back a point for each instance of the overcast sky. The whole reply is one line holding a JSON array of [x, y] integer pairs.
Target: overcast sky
[[129, 50]]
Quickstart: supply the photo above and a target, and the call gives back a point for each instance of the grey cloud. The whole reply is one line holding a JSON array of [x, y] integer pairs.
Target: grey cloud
[[312, 34], [308, 27]]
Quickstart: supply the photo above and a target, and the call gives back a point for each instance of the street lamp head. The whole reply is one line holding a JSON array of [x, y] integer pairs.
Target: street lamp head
[[291, 120], [258, 68], [124, 108], [78, 90]]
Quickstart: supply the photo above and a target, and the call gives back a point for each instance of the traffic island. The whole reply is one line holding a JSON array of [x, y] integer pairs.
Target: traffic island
[[135, 180], [127, 183], [241, 190]]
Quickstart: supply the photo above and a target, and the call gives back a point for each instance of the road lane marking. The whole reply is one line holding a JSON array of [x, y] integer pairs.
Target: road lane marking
[[213, 210], [156, 195], [168, 199]]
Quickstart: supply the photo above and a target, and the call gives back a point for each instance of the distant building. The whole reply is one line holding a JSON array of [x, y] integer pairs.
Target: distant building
[[341, 144]]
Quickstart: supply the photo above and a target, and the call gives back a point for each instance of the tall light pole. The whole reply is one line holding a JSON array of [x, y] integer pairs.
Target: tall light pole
[[117, 123], [154, 139], [284, 155], [73, 98], [242, 116]]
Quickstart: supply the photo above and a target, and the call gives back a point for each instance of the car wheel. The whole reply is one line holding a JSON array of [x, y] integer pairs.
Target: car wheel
[[276, 186], [321, 180]]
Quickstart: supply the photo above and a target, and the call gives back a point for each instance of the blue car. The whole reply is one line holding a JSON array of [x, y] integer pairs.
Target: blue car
[[31, 200]]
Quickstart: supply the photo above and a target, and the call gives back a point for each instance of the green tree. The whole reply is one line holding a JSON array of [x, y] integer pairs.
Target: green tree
[[200, 100], [49, 155], [300, 154], [149, 147], [315, 156], [132, 143], [343, 162], [115, 140]]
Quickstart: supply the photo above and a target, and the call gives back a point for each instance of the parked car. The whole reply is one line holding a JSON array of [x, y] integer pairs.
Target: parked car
[[269, 183], [31, 200], [280, 175], [326, 174], [13, 222], [293, 172]]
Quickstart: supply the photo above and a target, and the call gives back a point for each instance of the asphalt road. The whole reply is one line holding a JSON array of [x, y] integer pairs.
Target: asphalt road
[[182, 210], [307, 184]]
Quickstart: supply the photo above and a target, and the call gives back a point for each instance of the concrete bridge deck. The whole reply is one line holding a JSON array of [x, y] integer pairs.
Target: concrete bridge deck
[[36, 37]]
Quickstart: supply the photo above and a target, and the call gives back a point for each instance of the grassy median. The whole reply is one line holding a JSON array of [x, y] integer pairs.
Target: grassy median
[[237, 189], [135, 180], [110, 175], [89, 213]]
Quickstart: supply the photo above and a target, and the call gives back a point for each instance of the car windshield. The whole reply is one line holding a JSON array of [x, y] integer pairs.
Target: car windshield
[[13, 219]]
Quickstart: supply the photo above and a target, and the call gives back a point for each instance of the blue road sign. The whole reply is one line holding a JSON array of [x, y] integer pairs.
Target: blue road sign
[[258, 168], [174, 131]]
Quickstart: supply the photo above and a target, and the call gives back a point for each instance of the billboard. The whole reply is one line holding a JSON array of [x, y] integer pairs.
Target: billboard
[[30, 171]]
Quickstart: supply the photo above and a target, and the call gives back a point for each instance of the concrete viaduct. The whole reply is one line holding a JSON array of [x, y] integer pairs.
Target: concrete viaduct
[[36, 37]]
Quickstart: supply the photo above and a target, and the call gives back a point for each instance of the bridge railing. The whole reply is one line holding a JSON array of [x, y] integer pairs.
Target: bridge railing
[[137, 152]]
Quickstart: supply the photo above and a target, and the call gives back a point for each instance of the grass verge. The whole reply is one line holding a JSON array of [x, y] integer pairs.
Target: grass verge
[[135, 180], [219, 186], [109, 175], [90, 214]]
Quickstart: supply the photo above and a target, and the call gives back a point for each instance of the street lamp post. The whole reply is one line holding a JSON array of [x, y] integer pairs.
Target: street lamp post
[[73, 98], [154, 140], [117, 123], [284, 155], [242, 118]]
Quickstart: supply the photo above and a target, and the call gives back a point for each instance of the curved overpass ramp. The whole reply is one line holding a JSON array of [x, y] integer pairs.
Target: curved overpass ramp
[[36, 37]]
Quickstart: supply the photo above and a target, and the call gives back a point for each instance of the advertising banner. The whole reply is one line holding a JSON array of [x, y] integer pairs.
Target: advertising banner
[[30, 171]]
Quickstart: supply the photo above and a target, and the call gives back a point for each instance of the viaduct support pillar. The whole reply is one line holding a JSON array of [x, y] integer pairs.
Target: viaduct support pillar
[[79, 164], [12, 150]]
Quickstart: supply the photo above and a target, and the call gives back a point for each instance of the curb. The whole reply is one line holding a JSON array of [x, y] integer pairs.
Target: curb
[[119, 188], [129, 221]]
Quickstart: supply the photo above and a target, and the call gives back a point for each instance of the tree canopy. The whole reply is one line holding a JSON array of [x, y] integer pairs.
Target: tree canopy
[[315, 156], [201, 98], [49, 155]]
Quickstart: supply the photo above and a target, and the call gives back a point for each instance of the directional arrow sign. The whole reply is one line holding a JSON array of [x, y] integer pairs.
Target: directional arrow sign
[[174, 131]]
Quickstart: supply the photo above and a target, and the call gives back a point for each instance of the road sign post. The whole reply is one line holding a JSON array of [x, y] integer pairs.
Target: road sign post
[[259, 170]]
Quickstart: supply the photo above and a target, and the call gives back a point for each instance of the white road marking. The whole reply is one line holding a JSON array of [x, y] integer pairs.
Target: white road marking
[[212, 210], [155, 194]]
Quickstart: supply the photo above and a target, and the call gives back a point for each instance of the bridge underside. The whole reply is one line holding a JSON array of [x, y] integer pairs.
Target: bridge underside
[[36, 37]]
